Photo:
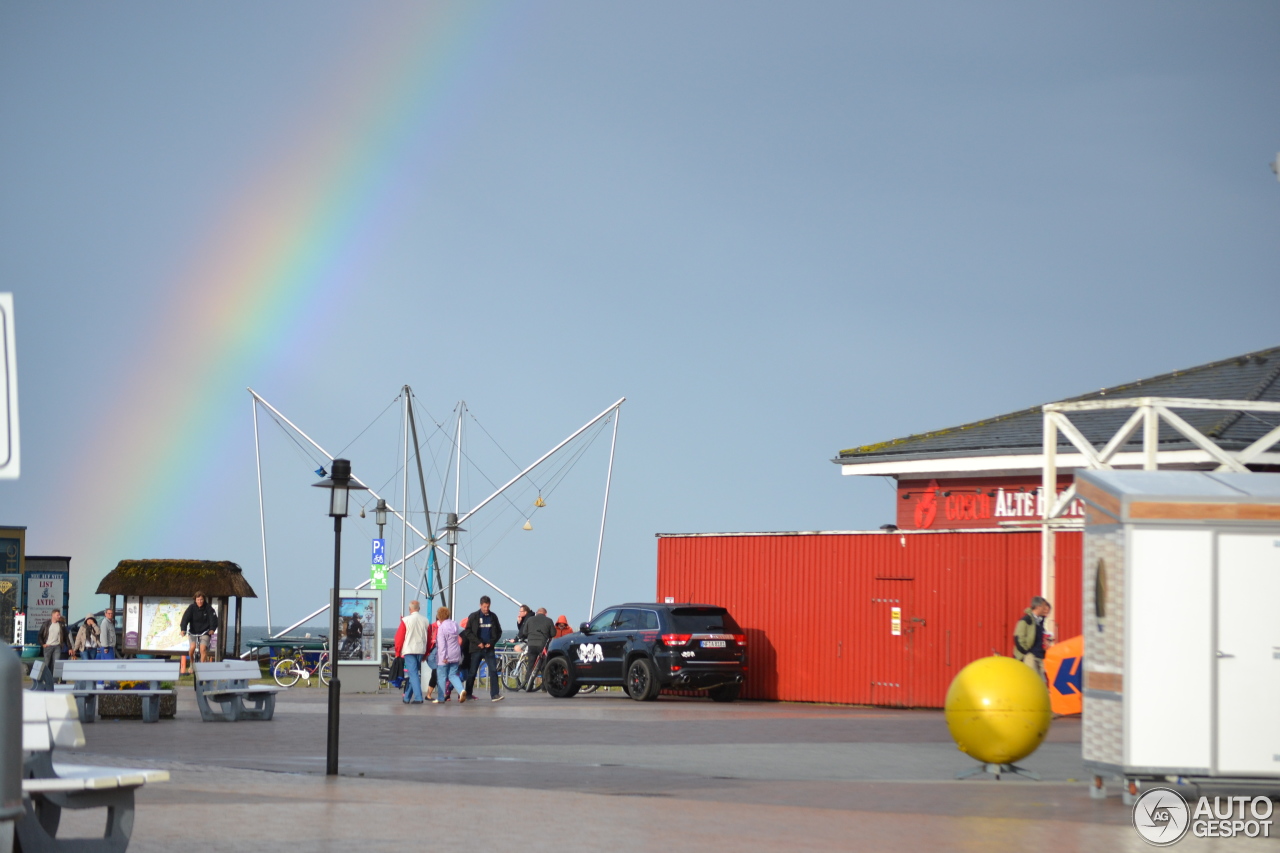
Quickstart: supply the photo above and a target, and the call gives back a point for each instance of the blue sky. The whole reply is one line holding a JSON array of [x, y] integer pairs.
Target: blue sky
[[779, 231]]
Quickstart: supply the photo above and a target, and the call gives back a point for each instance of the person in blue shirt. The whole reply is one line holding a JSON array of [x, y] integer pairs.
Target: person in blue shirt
[[483, 631]]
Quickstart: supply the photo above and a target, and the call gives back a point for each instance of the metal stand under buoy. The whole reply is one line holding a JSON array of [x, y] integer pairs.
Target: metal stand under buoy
[[996, 770]]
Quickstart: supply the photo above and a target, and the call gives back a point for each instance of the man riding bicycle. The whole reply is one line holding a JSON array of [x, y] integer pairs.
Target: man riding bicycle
[[199, 621]]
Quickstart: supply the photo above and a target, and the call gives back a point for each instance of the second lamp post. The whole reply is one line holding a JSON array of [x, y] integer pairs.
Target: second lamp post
[[339, 483]]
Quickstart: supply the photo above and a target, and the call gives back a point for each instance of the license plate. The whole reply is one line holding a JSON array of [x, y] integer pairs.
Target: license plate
[[713, 644]]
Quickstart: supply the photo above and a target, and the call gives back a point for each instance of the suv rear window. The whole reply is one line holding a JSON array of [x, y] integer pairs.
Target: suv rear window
[[703, 620]]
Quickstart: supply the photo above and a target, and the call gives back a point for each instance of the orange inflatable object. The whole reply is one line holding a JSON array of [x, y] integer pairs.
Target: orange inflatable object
[[1064, 665]]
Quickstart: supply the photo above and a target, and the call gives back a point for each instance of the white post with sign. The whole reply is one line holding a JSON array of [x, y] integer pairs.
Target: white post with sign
[[9, 455], [378, 568]]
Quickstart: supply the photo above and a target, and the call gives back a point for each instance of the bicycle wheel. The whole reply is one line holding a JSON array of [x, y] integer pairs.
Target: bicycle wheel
[[511, 673], [285, 672], [589, 688], [326, 672]]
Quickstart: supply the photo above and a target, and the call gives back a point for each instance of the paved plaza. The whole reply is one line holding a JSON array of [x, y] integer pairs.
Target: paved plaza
[[599, 773]]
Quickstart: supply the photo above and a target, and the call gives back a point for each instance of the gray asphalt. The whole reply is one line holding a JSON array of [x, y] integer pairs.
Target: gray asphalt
[[680, 774]]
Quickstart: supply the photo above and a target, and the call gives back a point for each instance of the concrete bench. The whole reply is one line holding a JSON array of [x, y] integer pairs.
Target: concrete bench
[[226, 684], [48, 787], [87, 673]]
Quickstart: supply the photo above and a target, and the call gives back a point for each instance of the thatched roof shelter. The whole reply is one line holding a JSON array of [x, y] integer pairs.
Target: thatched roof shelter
[[178, 578]]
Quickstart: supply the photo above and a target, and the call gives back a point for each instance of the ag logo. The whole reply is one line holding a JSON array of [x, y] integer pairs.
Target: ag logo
[[1161, 816], [590, 653]]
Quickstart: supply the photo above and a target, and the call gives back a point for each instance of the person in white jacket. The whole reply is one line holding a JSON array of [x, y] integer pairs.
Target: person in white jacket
[[415, 646]]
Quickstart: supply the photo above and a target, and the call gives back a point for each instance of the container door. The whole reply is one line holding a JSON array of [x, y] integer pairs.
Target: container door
[[891, 642], [1248, 654]]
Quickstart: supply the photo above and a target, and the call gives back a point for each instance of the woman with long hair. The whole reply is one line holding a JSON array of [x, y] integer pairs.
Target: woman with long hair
[[86, 644]]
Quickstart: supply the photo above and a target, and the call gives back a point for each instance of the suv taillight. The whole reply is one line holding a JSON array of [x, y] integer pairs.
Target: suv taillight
[[677, 639], [740, 639]]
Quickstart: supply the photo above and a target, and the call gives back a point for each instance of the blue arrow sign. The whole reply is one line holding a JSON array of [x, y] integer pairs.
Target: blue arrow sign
[[1068, 679], [380, 552]]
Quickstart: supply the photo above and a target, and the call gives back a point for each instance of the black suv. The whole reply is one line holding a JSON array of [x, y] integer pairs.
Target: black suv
[[646, 647]]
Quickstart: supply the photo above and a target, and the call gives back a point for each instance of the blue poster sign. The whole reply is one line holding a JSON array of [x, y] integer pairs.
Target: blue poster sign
[[379, 552]]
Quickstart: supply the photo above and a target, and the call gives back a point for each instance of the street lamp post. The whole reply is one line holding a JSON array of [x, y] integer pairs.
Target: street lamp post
[[380, 515], [451, 530], [338, 483]]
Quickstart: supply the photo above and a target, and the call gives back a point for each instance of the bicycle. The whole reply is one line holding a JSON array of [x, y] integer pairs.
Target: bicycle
[[509, 662], [288, 670], [532, 673], [515, 665]]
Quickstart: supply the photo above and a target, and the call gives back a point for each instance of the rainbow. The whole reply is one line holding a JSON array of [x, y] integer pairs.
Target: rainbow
[[274, 263]]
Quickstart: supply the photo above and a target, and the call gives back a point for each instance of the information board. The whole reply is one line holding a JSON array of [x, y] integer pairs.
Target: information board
[[153, 624], [46, 592], [359, 626]]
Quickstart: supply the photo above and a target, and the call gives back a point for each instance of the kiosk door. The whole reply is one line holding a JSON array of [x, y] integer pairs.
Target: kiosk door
[[1248, 654]]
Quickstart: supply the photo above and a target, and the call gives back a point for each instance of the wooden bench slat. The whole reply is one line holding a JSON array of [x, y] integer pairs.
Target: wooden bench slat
[[35, 737], [67, 733], [58, 706], [124, 775], [107, 668]]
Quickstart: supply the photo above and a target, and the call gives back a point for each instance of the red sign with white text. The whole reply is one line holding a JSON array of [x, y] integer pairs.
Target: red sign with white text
[[966, 503]]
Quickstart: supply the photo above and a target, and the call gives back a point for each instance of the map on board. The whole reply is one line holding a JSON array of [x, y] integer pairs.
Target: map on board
[[161, 618]]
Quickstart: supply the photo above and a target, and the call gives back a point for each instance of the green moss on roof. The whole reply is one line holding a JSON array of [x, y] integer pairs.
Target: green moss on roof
[[216, 578]]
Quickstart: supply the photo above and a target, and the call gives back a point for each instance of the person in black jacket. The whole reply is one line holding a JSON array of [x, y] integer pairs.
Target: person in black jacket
[[198, 622], [484, 631], [539, 629]]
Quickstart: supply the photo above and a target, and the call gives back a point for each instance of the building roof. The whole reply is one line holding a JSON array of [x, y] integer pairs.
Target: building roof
[[178, 578], [1252, 376]]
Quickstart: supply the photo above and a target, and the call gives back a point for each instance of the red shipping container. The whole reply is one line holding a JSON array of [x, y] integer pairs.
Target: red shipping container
[[877, 618]]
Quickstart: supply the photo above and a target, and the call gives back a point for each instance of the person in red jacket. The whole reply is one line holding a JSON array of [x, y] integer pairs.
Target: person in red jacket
[[562, 625]]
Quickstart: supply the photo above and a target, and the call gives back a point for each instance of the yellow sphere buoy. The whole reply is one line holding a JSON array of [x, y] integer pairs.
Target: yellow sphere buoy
[[997, 709]]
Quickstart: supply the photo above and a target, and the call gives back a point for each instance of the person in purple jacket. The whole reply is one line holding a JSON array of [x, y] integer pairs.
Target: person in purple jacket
[[448, 657]]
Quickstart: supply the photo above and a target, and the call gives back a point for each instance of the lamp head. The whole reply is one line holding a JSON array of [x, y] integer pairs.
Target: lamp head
[[339, 483]]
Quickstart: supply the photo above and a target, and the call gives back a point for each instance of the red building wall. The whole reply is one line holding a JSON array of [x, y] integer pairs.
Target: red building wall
[[817, 608]]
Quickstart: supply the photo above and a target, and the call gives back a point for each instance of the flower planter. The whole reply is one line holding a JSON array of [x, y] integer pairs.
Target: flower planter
[[123, 706]]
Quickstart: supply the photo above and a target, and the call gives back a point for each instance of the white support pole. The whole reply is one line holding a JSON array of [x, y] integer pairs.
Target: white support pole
[[1049, 484], [404, 528], [1260, 446], [262, 516], [1150, 438], [372, 492], [471, 571], [542, 459], [457, 497], [1200, 440], [1081, 443], [1062, 502], [1118, 440], [305, 619], [604, 513]]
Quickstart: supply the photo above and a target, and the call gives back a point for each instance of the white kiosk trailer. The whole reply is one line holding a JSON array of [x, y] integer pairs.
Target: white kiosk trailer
[[1182, 628]]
